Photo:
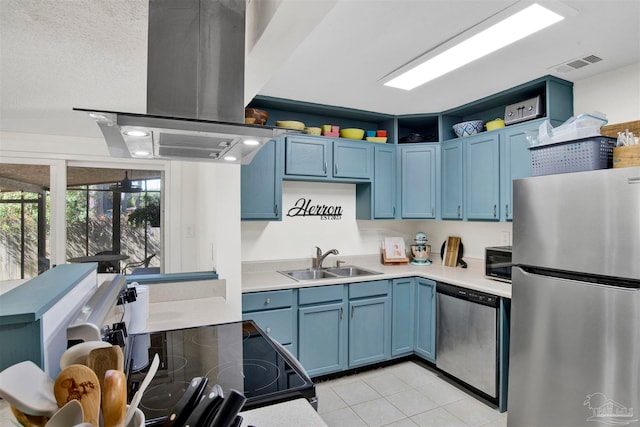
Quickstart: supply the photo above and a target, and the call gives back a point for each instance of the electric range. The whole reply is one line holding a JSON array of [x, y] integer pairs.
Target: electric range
[[236, 355]]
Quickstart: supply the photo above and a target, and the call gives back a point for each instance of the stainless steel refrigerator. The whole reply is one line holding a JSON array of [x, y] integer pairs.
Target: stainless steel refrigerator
[[575, 313]]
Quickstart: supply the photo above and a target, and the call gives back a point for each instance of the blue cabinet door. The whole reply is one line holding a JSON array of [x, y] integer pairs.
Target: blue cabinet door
[[403, 317], [452, 180], [369, 331], [515, 162], [322, 334], [352, 160], [426, 318], [307, 156], [418, 171], [482, 176], [261, 184], [384, 182]]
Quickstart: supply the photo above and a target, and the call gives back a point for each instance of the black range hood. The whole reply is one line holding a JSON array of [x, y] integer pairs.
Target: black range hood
[[195, 89]]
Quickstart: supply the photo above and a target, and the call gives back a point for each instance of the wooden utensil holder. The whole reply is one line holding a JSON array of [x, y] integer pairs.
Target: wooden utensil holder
[[624, 157]]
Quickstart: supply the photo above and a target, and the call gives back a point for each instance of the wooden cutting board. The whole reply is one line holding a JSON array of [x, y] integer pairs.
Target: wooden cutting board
[[451, 251]]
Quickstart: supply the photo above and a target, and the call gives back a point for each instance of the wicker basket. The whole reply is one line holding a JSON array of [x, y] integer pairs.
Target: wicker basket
[[572, 156]]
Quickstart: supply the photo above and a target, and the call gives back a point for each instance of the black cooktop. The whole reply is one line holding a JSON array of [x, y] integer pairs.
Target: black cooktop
[[235, 355]]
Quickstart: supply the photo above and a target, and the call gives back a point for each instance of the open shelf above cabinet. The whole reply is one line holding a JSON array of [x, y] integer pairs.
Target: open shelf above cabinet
[[316, 115], [556, 101], [424, 125], [556, 104]]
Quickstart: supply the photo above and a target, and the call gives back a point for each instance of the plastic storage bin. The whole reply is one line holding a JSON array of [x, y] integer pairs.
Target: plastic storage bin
[[583, 126], [572, 156]]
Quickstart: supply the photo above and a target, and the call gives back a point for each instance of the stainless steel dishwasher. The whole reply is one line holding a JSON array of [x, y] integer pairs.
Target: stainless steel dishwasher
[[467, 337]]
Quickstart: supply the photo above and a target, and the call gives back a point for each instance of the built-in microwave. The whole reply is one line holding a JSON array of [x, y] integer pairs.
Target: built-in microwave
[[497, 263]]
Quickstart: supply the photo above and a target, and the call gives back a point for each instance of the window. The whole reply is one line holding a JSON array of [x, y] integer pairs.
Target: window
[[24, 221], [117, 214]]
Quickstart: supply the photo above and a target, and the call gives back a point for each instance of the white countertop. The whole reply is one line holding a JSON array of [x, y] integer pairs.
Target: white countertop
[[264, 276], [294, 413]]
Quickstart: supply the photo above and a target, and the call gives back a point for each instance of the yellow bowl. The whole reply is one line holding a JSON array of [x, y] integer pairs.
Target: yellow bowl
[[352, 133], [290, 124], [381, 139], [495, 124], [313, 131]]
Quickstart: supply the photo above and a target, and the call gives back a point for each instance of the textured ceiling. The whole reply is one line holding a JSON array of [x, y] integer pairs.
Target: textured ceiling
[[57, 55]]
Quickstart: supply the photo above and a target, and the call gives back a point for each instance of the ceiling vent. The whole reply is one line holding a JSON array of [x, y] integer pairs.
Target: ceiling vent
[[576, 63]]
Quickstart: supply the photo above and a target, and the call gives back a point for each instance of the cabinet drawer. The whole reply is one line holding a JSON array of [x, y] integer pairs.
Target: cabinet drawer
[[267, 300], [320, 294], [368, 289], [278, 324]]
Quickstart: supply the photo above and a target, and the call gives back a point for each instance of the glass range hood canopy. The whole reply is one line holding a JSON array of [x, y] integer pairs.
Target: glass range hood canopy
[[144, 136]]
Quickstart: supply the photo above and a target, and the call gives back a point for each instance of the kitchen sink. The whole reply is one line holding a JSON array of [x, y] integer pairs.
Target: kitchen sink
[[327, 273], [309, 274], [350, 271]]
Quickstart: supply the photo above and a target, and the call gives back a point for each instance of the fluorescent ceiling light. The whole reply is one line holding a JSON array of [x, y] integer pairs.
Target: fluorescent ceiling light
[[518, 26]]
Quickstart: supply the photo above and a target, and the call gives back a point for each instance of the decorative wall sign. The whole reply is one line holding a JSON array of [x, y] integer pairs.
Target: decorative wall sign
[[305, 207]]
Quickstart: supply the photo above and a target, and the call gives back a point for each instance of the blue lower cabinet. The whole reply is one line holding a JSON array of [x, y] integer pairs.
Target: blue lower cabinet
[[275, 323], [322, 338], [403, 317], [426, 318], [369, 325], [275, 312]]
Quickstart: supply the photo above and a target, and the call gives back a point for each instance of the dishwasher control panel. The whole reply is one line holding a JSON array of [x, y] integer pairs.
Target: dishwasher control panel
[[468, 294]]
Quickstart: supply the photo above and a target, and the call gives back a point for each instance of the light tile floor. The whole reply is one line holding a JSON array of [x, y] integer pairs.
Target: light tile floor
[[405, 394]]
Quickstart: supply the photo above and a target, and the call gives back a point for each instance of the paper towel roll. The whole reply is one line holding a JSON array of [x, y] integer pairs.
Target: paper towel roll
[[139, 309]]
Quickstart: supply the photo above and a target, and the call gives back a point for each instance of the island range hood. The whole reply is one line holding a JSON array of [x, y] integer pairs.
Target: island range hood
[[195, 89]]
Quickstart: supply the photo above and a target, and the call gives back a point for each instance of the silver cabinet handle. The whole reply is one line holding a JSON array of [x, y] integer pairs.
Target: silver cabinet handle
[[495, 209], [506, 210], [458, 211], [352, 310], [394, 211], [325, 167], [276, 210], [268, 330], [341, 311], [433, 211], [267, 301], [336, 172]]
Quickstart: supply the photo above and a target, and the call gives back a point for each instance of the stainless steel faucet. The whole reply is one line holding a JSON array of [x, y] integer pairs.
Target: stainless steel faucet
[[317, 261]]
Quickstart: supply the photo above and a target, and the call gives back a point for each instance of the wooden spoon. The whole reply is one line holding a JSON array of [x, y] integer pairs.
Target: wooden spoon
[[28, 420], [114, 398], [100, 360], [80, 383]]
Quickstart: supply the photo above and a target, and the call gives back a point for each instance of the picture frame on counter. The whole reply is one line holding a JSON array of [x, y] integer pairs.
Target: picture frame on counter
[[394, 248]]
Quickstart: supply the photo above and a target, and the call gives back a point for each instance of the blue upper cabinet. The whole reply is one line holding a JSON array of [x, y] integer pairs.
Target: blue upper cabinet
[[261, 184], [515, 162], [352, 159], [419, 166], [482, 176], [384, 182], [452, 180], [308, 157], [313, 158]]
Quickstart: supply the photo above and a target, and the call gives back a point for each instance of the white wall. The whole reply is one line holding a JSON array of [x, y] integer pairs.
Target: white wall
[[616, 93], [296, 237]]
